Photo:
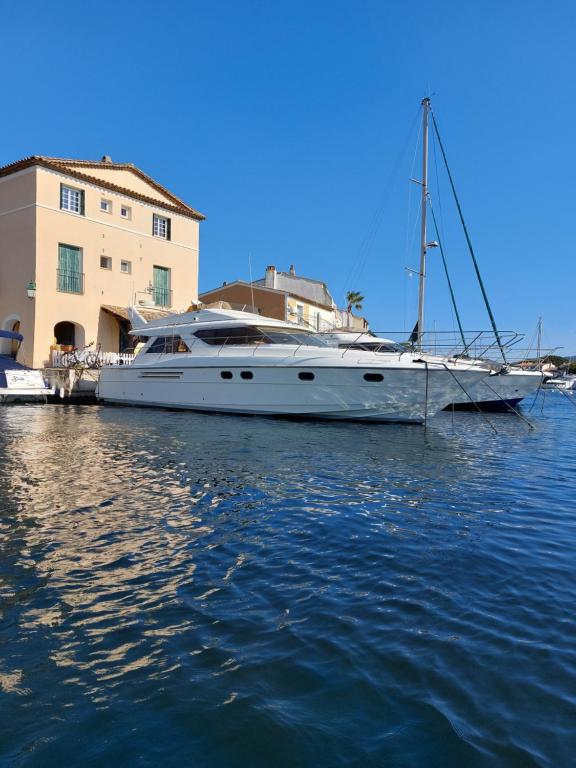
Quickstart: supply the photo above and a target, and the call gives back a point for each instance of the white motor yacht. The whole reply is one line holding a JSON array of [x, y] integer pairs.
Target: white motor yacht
[[502, 390], [236, 362]]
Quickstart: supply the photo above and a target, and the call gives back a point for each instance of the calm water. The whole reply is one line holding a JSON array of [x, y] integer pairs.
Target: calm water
[[200, 590]]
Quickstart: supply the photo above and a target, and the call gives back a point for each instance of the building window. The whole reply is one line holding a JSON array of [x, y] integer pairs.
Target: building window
[[71, 199], [126, 267], [105, 262], [300, 313], [161, 287], [69, 273], [161, 227], [106, 206], [125, 212]]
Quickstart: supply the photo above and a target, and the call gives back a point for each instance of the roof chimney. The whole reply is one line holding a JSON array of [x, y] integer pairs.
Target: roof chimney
[[292, 271], [270, 277], [106, 159]]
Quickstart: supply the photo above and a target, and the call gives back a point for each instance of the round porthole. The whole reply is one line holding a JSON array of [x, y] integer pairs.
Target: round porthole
[[226, 374], [246, 375], [373, 377], [306, 376]]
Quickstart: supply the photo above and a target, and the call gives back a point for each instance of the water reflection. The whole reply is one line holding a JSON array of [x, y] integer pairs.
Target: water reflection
[[110, 509], [180, 566]]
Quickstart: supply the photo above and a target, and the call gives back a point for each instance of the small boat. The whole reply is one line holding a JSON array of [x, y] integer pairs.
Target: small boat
[[564, 382], [18, 383], [238, 362]]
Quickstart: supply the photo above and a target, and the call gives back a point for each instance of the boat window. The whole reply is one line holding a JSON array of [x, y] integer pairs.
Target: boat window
[[246, 375], [373, 377], [226, 374], [281, 336], [305, 376], [250, 335], [168, 345], [371, 346], [235, 335]]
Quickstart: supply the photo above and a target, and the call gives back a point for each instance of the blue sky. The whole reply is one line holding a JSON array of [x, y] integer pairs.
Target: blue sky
[[292, 126]]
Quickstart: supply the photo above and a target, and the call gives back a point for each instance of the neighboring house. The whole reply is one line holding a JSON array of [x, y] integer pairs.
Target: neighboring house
[[80, 241], [287, 296]]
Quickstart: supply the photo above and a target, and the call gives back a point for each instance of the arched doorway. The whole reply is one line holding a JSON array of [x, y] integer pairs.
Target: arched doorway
[[69, 334], [14, 343], [10, 346]]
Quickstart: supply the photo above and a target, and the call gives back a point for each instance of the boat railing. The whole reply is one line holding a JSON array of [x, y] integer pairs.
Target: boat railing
[[474, 344]]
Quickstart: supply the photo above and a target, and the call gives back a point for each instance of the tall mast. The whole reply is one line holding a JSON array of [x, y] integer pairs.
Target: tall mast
[[425, 114]]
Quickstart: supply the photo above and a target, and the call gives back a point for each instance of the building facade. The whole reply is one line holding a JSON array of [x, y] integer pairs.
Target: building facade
[[81, 241], [289, 297]]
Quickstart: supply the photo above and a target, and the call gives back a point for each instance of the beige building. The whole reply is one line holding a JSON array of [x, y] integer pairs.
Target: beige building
[[287, 296], [81, 241]]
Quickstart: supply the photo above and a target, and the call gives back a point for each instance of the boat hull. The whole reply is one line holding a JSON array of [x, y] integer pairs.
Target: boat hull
[[501, 392], [336, 392], [9, 396]]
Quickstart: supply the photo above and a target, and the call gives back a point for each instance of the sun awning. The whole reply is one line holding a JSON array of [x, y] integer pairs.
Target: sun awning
[[121, 313]]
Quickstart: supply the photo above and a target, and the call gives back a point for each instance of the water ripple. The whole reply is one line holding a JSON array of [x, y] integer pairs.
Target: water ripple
[[225, 591]]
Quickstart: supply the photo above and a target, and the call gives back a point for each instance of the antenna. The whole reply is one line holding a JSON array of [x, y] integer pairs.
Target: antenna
[[251, 283]]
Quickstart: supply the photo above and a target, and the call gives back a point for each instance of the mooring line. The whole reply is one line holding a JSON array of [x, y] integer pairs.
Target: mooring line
[[474, 403], [514, 410], [563, 392], [536, 395], [426, 400]]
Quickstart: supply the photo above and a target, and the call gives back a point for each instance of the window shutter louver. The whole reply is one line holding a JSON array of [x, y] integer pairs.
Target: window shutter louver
[[82, 202], [168, 229]]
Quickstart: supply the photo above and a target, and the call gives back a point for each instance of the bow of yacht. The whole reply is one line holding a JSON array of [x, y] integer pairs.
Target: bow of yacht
[[504, 388], [236, 362]]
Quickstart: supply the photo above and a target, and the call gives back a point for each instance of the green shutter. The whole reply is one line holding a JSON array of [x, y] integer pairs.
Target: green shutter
[[168, 229], [69, 269], [162, 286], [82, 202]]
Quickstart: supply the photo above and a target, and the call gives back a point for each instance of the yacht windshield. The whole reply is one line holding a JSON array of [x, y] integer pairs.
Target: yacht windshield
[[281, 336], [250, 335]]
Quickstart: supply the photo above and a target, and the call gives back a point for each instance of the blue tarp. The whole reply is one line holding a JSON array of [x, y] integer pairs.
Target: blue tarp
[[11, 335]]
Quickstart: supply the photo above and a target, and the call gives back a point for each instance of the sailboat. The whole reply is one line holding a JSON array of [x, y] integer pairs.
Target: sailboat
[[507, 385]]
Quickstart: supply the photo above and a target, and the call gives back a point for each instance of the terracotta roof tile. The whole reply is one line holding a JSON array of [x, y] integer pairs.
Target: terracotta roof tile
[[69, 168]]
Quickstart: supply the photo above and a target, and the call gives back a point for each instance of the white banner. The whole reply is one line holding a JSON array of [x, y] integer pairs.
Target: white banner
[[24, 379]]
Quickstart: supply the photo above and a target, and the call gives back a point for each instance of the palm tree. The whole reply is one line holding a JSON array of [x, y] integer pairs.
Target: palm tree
[[354, 300]]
